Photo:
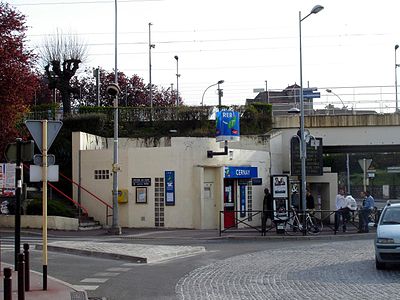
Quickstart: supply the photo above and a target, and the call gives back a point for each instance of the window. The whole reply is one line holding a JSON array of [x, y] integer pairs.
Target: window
[[159, 201], [101, 174]]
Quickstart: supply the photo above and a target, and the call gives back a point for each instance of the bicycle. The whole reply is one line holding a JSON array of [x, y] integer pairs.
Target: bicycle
[[293, 226]]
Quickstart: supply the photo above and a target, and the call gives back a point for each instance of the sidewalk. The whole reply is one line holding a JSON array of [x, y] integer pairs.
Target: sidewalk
[[56, 289]]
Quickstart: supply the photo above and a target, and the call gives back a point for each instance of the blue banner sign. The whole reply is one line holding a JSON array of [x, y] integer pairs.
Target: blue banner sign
[[228, 127], [169, 187], [240, 172], [242, 201]]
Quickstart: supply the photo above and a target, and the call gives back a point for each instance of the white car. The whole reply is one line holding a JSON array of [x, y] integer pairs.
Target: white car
[[387, 242]]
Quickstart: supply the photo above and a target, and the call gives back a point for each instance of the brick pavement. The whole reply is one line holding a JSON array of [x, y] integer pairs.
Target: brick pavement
[[334, 270]]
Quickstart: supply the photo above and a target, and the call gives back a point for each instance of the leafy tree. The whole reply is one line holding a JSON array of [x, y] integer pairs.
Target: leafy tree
[[134, 92], [17, 78], [61, 55]]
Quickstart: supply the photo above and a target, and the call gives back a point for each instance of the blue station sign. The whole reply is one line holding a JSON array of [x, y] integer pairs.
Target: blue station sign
[[240, 172], [228, 127]]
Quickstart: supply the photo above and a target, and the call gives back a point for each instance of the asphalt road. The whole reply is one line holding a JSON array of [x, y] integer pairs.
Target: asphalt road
[[230, 269]]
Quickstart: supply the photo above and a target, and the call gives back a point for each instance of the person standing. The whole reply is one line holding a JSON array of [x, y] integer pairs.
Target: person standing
[[340, 205], [310, 204], [267, 210], [367, 206]]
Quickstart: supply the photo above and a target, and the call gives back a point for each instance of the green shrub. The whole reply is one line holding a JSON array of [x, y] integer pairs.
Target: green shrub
[[54, 208]]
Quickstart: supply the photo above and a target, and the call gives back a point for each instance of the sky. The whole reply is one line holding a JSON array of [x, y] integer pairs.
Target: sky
[[348, 47]]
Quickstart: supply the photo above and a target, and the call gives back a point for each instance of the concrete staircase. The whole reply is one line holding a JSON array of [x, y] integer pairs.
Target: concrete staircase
[[88, 223]]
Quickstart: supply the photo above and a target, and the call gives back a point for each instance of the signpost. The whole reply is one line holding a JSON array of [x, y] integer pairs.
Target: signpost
[[364, 164], [44, 133]]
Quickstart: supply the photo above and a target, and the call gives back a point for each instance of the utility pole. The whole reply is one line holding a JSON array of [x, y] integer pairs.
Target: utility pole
[[150, 84]]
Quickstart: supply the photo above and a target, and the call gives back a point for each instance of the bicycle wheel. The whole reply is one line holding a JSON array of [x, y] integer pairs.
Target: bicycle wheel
[[314, 226], [292, 228]]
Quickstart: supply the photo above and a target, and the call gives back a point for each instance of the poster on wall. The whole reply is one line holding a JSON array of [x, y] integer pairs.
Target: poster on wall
[[169, 187], [7, 179], [228, 127], [279, 186]]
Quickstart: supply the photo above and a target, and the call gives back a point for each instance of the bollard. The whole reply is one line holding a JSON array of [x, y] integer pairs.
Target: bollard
[[27, 275], [7, 281], [21, 277]]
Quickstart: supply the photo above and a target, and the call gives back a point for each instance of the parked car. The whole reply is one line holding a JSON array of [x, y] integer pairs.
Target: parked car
[[387, 242]]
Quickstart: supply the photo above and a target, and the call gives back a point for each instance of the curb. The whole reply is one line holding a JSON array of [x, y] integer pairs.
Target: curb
[[135, 259]]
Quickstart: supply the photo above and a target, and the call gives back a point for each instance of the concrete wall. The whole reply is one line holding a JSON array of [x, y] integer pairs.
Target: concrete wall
[[184, 155], [53, 222]]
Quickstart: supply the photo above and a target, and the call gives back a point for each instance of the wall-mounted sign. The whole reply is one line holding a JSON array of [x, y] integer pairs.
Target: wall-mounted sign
[[314, 163], [141, 181], [256, 181], [240, 172], [7, 179], [280, 187], [169, 187], [228, 127]]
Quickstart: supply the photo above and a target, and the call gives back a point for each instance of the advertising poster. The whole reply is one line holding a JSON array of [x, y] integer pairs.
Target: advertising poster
[[280, 186], [169, 187], [7, 179], [228, 127]]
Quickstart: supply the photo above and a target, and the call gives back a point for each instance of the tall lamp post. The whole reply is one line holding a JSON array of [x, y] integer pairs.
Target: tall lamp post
[[177, 80], [113, 90], [218, 83], [331, 92], [316, 9], [150, 84], [395, 75]]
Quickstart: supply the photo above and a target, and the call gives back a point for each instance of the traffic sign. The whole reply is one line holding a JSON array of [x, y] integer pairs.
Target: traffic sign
[[35, 173], [35, 128], [38, 159], [27, 150], [367, 163]]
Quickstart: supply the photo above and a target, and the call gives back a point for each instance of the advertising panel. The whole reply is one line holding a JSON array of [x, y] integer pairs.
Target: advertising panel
[[228, 127], [169, 187], [279, 186]]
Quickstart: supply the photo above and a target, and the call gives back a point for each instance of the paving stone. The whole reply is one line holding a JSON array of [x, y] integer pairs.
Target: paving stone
[[335, 270]]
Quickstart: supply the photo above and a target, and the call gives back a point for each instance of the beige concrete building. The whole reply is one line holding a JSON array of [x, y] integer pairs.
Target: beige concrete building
[[170, 182]]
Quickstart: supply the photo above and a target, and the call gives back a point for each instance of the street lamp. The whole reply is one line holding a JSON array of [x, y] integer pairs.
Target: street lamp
[[218, 83], [114, 90], [331, 92], [150, 84], [177, 80], [316, 9], [395, 75]]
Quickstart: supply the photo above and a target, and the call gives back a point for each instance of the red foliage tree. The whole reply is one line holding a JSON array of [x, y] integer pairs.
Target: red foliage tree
[[134, 92], [17, 79]]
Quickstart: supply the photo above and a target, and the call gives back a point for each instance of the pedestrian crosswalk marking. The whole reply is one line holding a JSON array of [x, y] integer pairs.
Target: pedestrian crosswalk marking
[[85, 287], [118, 269], [105, 274], [94, 280]]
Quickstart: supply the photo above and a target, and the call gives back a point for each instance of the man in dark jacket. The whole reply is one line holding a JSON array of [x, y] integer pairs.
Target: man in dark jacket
[[267, 210]]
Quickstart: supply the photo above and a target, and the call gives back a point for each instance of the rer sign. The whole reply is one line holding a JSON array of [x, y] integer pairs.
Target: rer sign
[[228, 127]]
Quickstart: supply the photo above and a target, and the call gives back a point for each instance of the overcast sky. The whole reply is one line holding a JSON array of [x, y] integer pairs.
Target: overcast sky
[[349, 43]]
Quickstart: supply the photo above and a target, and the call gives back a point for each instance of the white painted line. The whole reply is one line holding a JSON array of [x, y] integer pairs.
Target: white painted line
[[94, 280], [85, 287], [132, 264], [106, 274], [118, 269]]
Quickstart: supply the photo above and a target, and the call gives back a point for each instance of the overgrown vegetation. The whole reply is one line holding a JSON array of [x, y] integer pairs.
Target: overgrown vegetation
[[54, 208]]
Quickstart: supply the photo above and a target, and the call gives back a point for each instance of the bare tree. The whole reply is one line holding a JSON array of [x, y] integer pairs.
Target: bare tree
[[61, 55]]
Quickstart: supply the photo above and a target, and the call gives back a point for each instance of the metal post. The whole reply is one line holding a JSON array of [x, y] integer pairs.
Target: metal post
[[97, 73], [219, 96], [266, 92], [115, 219], [18, 185], [27, 275], [302, 141], [348, 173], [150, 84], [365, 174], [44, 202], [395, 76], [7, 284], [177, 79], [21, 277]]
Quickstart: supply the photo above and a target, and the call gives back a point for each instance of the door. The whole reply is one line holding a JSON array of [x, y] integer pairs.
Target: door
[[229, 203], [209, 213]]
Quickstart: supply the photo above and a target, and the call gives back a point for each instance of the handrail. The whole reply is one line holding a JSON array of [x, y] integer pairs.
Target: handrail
[[89, 192], [63, 194]]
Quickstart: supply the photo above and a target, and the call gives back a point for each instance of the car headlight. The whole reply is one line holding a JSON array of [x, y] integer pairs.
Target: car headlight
[[384, 241]]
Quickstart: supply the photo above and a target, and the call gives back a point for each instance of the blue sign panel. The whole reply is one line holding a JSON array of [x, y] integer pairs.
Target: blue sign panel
[[240, 172], [228, 127], [169, 187], [242, 201]]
